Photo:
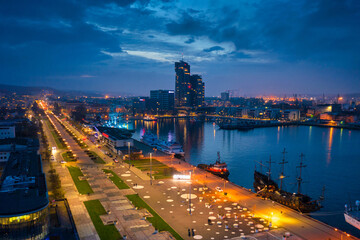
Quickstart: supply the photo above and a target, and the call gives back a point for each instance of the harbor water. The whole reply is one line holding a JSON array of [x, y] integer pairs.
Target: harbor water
[[332, 157]]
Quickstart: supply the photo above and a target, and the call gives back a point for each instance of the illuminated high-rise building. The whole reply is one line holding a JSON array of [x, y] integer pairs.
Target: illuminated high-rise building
[[197, 90], [189, 89], [182, 84], [163, 99]]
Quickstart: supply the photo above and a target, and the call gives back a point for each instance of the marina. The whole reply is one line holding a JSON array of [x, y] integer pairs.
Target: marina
[[332, 159]]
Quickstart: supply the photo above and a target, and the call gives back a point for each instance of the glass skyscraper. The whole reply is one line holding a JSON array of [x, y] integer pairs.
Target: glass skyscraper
[[189, 89]]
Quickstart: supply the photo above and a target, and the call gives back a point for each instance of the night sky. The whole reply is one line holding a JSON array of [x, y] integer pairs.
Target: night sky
[[257, 47]]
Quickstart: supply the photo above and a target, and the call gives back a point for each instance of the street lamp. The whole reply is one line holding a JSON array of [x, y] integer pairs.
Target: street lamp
[[150, 168], [225, 181], [172, 157], [129, 153], [190, 195]]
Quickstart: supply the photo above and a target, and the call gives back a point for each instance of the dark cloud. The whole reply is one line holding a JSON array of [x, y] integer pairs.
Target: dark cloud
[[189, 25], [214, 48], [67, 38], [190, 40]]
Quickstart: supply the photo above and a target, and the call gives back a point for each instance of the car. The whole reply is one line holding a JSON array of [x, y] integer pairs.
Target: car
[[218, 189], [62, 162], [115, 160]]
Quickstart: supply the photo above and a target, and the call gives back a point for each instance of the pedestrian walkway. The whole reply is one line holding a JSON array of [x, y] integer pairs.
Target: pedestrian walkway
[[129, 221]]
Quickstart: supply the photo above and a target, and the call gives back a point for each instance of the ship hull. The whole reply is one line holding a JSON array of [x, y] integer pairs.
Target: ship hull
[[222, 174], [351, 220], [267, 188]]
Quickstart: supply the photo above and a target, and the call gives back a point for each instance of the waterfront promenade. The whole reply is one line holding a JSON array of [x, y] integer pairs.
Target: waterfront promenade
[[240, 213], [294, 222]]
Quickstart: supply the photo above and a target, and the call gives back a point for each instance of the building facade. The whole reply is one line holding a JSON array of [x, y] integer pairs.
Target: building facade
[[7, 132], [225, 96], [197, 91], [189, 89], [182, 84], [163, 99], [24, 212]]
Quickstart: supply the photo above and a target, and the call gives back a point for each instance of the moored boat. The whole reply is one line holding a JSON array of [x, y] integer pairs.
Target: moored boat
[[168, 147], [352, 215], [218, 168], [268, 188]]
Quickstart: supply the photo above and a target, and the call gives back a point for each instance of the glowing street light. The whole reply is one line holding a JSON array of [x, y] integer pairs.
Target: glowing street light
[[150, 168]]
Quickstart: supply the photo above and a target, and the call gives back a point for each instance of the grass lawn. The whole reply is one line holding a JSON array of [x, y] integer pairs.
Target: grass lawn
[[95, 209], [97, 159], [49, 125], [56, 136], [82, 186], [67, 158], [116, 180], [59, 144], [156, 220], [159, 170]]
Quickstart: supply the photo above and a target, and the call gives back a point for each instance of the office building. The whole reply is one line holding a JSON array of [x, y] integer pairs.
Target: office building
[[189, 89], [225, 96], [7, 131], [197, 90], [162, 99], [24, 199], [182, 84], [9, 145]]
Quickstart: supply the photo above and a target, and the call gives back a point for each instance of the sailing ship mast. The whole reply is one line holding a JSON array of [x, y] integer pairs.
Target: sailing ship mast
[[218, 158], [269, 172], [299, 179], [283, 162]]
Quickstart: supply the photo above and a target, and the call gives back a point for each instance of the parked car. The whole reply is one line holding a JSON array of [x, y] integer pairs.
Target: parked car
[[218, 189]]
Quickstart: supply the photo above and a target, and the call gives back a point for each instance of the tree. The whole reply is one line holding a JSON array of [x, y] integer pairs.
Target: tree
[[80, 113], [57, 108]]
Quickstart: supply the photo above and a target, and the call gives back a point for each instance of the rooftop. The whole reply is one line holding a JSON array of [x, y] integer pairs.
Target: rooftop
[[115, 133], [22, 184]]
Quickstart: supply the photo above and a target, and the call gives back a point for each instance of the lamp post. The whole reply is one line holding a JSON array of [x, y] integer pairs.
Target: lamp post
[[225, 181], [150, 168], [190, 195], [129, 153]]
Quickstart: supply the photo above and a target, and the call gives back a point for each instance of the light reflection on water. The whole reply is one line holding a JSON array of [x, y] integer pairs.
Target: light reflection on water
[[332, 157]]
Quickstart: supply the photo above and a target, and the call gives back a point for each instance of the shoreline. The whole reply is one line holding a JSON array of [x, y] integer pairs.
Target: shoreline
[[262, 125], [248, 196]]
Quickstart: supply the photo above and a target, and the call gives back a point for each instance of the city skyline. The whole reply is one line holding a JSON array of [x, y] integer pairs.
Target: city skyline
[[258, 48]]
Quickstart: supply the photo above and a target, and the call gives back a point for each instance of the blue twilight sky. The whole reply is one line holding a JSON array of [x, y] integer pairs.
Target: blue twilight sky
[[254, 46]]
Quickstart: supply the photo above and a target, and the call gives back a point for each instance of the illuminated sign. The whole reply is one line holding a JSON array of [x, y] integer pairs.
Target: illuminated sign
[[105, 135], [181, 177], [171, 91]]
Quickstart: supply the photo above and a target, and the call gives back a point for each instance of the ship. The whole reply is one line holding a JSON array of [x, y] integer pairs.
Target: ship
[[168, 147], [218, 168], [242, 126], [267, 188], [150, 118], [149, 139], [352, 214]]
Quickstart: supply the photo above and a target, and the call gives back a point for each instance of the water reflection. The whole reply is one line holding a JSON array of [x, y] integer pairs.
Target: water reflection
[[328, 160], [240, 149]]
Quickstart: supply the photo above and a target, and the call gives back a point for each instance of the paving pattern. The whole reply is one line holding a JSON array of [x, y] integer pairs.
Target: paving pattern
[[207, 213], [129, 221]]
